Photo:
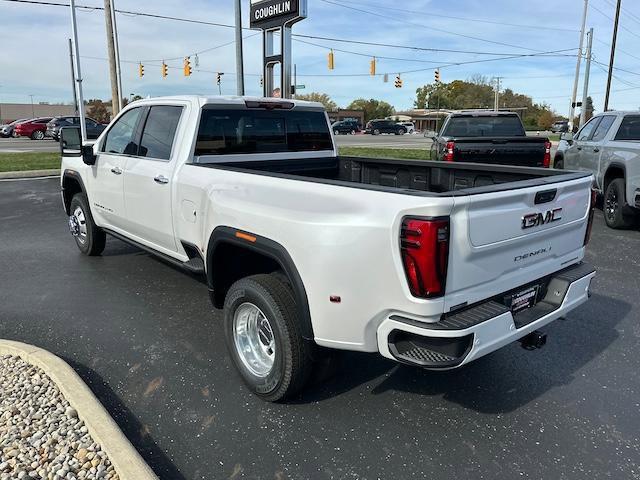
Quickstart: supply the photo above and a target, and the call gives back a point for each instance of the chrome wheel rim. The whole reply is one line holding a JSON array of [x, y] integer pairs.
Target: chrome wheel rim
[[78, 225], [39, 135], [253, 339], [611, 204]]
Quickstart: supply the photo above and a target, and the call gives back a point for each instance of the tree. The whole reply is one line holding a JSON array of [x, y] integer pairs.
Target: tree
[[323, 98], [589, 108], [372, 108], [545, 120], [126, 101], [98, 110], [478, 92]]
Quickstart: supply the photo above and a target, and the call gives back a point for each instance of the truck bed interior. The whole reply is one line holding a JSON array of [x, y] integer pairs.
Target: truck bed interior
[[419, 176]]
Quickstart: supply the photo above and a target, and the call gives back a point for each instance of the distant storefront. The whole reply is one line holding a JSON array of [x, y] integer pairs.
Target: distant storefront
[[341, 115], [14, 111]]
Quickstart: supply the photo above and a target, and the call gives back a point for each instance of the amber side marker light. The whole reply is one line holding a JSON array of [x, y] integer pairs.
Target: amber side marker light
[[246, 236]]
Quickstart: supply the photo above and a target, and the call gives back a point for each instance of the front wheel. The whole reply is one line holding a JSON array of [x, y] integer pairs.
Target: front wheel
[[37, 135], [89, 238], [336, 132], [615, 204], [401, 131], [263, 335], [353, 132], [376, 132]]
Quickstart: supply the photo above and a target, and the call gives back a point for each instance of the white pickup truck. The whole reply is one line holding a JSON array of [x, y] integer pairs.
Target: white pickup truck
[[432, 264]]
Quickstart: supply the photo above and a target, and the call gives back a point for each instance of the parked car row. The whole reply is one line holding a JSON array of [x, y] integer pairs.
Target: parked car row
[[608, 146], [48, 127]]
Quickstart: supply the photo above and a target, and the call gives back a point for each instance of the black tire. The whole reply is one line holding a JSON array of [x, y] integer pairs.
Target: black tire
[[94, 241], [336, 132], [37, 135], [376, 132], [292, 363], [353, 132], [558, 163], [615, 206], [401, 131]]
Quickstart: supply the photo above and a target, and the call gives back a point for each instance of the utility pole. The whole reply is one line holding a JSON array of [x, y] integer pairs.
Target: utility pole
[[116, 46], [587, 70], [73, 79], [295, 80], [239, 55], [111, 51], [572, 110], [613, 53], [496, 105], [33, 113], [74, 29]]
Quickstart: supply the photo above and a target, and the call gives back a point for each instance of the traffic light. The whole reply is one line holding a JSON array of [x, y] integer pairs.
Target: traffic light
[[331, 63], [165, 69], [261, 81], [187, 66], [398, 82], [437, 76], [372, 67], [140, 70], [219, 78]]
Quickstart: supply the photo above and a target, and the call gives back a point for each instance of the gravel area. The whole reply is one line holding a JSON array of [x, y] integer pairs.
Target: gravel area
[[41, 435]]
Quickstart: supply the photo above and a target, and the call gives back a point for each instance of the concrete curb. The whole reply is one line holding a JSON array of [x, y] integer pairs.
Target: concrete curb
[[125, 459], [30, 173]]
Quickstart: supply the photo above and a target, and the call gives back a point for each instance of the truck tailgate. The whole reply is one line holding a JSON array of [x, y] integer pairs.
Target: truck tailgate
[[505, 239], [523, 151]]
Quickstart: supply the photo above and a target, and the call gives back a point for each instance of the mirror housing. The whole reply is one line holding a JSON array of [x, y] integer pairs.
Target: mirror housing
[[88, 157], [567, 137], [70, 142]]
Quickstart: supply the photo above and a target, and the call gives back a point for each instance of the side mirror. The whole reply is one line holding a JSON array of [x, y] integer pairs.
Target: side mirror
[[88, 157], [70, 142], [567, 137]]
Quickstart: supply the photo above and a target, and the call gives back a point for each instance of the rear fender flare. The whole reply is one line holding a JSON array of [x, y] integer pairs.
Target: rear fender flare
[[273, 250]]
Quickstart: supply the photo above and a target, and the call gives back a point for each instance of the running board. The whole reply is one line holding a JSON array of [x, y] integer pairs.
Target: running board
[[193, 265]]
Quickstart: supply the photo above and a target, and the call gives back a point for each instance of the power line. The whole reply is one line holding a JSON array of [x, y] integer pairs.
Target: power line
[[622, 27], [386, 17], [477, 20], [222, 25]]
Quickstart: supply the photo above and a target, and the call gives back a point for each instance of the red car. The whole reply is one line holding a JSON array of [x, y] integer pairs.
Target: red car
[[34, 129]]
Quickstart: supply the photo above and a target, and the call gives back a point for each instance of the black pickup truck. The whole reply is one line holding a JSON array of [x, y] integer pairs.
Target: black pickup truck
[[489, 137]]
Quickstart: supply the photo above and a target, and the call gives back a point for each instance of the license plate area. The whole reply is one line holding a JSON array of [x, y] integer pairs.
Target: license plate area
[[523, 299]]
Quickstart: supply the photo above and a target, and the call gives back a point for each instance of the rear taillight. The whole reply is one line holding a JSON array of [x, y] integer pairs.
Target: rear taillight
[[424, 245], [546, 161], [592, 209], [449, 151]]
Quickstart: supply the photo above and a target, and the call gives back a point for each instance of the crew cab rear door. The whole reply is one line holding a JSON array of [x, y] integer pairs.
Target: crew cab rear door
[[504, 239]]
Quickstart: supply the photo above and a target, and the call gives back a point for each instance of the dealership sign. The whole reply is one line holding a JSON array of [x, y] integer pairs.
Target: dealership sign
[[267, 14]]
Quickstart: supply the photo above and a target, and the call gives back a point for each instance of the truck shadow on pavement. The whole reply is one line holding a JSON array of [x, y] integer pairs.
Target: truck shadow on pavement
[[137, 433], [500, 382]]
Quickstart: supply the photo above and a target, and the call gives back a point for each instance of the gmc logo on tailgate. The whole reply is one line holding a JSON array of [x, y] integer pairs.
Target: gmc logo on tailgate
[[535, 219]]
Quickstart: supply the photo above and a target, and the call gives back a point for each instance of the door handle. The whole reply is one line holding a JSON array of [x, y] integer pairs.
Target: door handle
[[116, 170], [596, 149], [161, 179]]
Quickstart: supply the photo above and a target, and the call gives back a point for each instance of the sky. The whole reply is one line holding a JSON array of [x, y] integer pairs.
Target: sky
[[34, 55]]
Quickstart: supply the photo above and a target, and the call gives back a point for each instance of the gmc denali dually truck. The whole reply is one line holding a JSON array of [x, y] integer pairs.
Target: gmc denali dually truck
[[431, 264]]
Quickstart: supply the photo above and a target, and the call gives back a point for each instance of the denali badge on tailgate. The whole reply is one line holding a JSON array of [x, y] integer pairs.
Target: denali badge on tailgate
[[535, 219]]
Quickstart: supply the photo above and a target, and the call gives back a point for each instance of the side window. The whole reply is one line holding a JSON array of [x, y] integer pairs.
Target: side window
[[120, 138], [586, 131], [603, 127], [629, 128], [159, 131]]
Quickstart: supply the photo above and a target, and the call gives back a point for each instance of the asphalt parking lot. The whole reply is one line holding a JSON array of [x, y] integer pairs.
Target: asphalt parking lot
[[146, 339]]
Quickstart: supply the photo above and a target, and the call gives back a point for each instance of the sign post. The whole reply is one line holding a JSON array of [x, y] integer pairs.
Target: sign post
[[276, 16]]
